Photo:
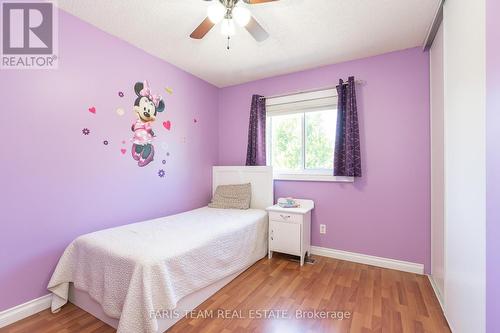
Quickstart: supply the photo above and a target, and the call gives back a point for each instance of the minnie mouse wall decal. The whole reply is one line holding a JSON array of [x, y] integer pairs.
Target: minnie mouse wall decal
[[146, 107]]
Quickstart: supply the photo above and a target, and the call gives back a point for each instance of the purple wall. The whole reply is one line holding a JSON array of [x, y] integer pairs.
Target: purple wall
[[492, 166], [387, 212], [58, 184]]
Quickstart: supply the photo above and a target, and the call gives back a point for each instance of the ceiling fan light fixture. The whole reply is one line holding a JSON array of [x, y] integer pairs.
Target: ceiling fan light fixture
[[227, 27], [216, 12], [227, 12], [241, 15]]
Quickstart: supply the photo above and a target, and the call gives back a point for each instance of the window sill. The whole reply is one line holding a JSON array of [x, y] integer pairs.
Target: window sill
[[312, 177]]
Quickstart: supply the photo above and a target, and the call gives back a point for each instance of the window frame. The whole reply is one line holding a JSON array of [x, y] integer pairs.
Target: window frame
[[301, 103]]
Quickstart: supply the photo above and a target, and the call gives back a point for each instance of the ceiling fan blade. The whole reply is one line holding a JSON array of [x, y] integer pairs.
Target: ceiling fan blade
[[256, 30], [255, 2], [202, 29]]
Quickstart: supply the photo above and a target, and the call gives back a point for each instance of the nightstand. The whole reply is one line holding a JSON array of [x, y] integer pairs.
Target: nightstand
[[290, 229]]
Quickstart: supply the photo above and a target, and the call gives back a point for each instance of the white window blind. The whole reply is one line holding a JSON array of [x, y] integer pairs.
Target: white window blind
[[302, 102]]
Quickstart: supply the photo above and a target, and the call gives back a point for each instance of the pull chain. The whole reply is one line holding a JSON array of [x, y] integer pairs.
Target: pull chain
[[228, 39]]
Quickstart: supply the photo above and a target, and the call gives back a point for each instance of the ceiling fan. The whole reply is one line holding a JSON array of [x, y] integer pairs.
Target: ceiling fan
[[227, 12]]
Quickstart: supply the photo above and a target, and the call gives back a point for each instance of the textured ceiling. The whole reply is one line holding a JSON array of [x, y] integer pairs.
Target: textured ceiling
[[303, 33]]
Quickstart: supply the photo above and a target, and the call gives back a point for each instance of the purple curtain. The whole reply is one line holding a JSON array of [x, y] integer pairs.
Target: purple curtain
[[347, 155], [256, 149]]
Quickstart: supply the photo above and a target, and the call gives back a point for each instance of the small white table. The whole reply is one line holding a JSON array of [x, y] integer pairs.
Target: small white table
[[290, 229]]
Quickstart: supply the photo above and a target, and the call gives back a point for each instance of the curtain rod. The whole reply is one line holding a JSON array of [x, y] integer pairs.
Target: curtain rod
[[309, 91]]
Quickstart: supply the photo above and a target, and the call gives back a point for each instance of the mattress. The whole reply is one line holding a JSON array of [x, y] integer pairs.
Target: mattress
[[137, 270]]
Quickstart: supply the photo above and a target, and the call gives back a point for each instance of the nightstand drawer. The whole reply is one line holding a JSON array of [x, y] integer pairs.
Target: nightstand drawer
[[285, 217]]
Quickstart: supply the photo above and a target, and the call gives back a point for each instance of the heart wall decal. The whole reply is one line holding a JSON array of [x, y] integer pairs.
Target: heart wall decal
[[92, 110], [123, 151], [167, 125]]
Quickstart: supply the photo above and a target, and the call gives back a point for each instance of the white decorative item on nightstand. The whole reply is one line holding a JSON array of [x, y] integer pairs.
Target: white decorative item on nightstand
[[290, 229]]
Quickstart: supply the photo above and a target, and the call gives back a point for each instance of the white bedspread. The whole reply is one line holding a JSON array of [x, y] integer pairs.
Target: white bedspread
[[138, 268]]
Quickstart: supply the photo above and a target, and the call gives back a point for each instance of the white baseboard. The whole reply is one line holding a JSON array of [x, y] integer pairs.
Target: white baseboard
[[22, 311], [399, 265], [436, 291]]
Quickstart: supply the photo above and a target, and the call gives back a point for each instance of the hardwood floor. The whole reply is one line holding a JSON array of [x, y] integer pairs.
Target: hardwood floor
[[70, 319], [370, 299]]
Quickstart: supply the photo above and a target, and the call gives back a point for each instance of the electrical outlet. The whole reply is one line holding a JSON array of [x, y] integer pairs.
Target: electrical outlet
[[322, 229]]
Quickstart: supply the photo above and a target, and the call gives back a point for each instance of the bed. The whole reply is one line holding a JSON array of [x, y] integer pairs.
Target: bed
[[133, 276]]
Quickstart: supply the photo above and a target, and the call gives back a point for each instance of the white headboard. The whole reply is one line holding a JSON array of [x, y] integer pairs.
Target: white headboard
[[261, 178]]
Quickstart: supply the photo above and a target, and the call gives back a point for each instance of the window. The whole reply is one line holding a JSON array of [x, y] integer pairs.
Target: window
[[301, 135]]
